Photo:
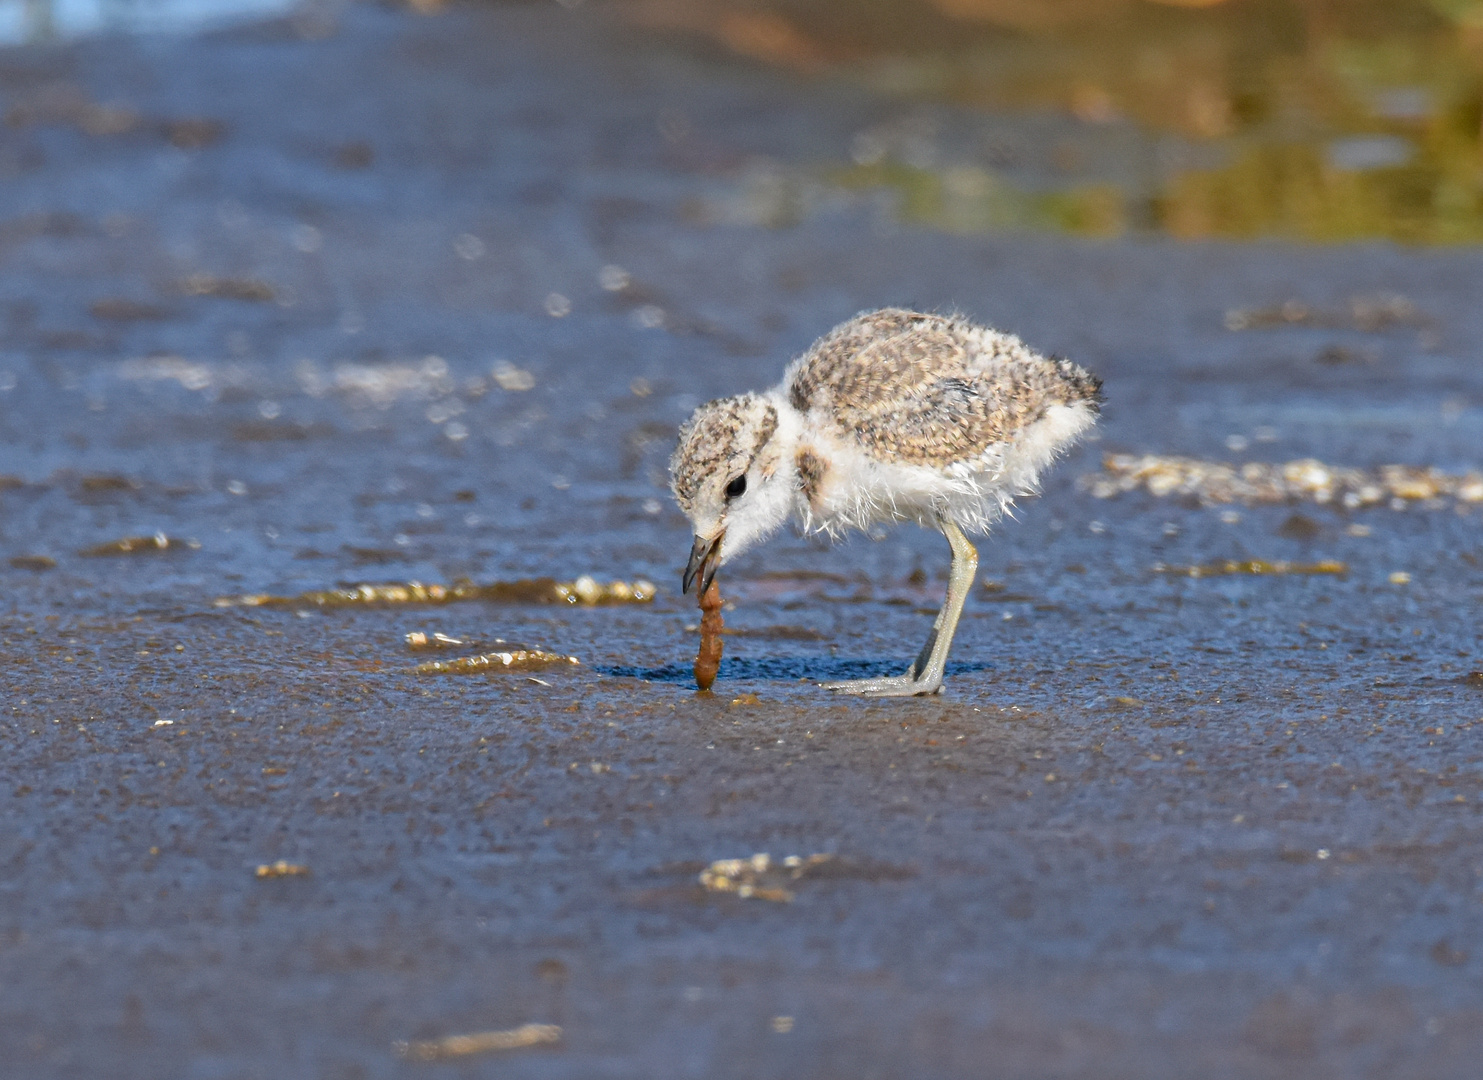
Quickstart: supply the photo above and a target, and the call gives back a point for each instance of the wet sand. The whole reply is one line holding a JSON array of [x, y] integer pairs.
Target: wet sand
[[332, 308]]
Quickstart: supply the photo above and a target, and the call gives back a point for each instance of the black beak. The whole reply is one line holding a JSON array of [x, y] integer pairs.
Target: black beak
[[705, 560]]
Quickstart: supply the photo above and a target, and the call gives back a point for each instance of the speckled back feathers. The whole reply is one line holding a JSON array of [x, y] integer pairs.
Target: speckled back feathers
[[925, 389]]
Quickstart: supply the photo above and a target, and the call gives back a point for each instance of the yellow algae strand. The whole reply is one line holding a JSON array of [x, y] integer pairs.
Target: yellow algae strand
[[585, 591], [479, 1042], [513, 660]]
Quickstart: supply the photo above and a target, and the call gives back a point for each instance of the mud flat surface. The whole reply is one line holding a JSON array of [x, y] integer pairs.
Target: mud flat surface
[[382, 299]]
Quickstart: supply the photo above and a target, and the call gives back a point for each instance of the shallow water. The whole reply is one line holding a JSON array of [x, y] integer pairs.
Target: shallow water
[[443, 329]]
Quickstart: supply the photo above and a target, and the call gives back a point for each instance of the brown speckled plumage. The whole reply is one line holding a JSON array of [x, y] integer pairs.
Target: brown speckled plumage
[[765, 431], [927, 389], [811, 470], [709, 443]]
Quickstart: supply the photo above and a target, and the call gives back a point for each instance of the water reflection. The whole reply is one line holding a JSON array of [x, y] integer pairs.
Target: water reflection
[[1200, 118]]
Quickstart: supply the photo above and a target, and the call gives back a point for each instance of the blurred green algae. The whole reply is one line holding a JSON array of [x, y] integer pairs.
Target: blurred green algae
[[1298, 119]]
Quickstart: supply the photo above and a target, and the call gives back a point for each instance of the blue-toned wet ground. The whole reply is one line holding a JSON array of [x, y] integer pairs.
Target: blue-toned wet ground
[[343, 307]]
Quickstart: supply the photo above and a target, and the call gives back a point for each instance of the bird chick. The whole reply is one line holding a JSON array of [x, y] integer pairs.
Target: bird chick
[[893, 415]]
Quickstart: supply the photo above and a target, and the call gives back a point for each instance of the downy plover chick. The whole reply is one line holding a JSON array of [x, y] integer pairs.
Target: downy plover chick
[[891, 416]]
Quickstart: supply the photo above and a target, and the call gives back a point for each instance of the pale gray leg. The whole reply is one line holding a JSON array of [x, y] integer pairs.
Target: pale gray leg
[[925, 676]]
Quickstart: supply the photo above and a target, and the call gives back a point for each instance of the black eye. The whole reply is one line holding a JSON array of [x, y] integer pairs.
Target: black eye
[[737, 487]]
